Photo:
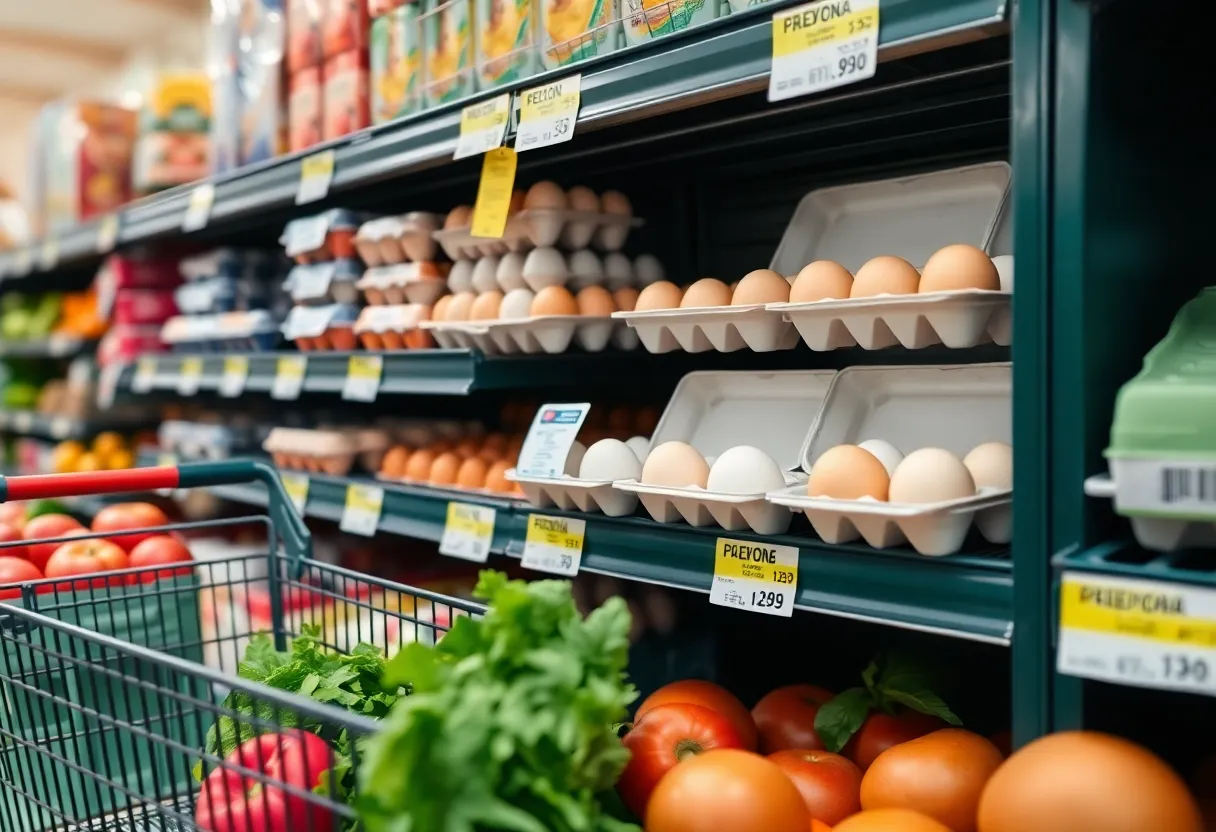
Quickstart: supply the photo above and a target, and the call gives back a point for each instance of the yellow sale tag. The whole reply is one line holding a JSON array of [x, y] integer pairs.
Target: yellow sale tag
[[361, 514], [554, 544], [494, 193], [296, 486], [363, 378], [1150, 611], [468, 532], [822, 45], [547, 114], [107, 233], [289, 374], [190, 375], [236, 371], [316, 174], [760, 577]]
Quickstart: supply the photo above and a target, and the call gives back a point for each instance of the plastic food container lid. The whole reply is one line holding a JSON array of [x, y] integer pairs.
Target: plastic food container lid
[[311, 321], [307, 282], [397, 318], [307, 234]]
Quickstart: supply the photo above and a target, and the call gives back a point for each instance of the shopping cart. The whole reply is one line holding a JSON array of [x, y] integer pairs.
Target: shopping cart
[[122, 699]]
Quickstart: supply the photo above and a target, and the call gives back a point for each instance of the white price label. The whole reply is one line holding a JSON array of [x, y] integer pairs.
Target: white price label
[[482, 126], [289, 372], [316, 175], [190, 375], [107, 385], [759, 577], [1151, 634], [362, 378], [547, 114], [236, 371], [548, 443], [361, 514], [145, 375], [468, 532], [823, 45], [311, 282], [554, 544], [198, 211], [107, 233], [296, 486], [306, 235]]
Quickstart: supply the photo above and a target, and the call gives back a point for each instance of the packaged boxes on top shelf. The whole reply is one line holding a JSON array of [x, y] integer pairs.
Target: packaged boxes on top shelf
[[248, 42], [646, 20], [131, 288], [448, 51], [395, 58]]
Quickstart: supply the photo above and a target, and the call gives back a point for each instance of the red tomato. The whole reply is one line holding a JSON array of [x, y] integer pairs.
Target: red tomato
[[785, 717], [707, 695], [830, 785], [880, 731], [48, 526], [84, 557], [154, 551], [726, 789], [663, 738], [15, 571], [13, 514], [122, 516], [230, 802], [819, 826], [8, 534]]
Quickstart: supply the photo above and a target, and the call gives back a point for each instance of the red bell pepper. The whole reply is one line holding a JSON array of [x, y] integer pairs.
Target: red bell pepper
[[232, 802]]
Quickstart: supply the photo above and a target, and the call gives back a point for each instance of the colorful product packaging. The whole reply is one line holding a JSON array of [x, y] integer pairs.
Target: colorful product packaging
[[263, 121], [646, 20], [345, 106], [223, 58], [575, 30], [174, 145], [396, 63], [303, 34], [506, 41], [379, 8], [447, 34], [304, 109], [344, 26]]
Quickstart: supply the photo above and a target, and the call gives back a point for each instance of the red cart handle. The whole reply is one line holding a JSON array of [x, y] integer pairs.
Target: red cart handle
[[47, 486]]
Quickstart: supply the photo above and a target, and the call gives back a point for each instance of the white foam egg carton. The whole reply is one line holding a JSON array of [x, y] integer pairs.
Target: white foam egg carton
[[1134, 485], [549, 334], [955, 407], [715, 411], [572, 493], [724, 329]]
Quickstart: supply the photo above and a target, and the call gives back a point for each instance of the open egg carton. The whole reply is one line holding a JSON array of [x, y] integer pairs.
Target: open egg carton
[[332, 451], [896, 411], [332, 281], [394, 327], [911, 217], [386, 241], [255, 330], [329, 235], [746, 429], [422, 282]]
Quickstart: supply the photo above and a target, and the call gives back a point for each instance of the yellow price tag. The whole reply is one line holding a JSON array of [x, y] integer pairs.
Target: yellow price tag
[[362, 378], [296, 486], [190, 375], [145, 375], [289, 372], [198, 210], [482, 126], [554, 544], [822, 45], [48, 256], [107, 233], [547, 114], [236, 371], [494, 193], [361, 513], [468, 532], [760, 577], [316, 174]]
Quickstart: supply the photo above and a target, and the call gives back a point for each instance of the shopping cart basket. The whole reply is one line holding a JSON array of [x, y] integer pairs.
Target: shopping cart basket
[[120, 694]]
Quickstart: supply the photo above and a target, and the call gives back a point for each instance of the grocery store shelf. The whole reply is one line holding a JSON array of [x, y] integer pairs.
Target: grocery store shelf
[[718, 60], [1126, 558], [53, 346], [968, 597], [40, 425]]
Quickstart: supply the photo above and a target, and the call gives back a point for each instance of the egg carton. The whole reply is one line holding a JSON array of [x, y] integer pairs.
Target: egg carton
[[540, 227], [724, 329], [401, 283], [1131, 490], [323, 283], [390, 240], [452, 492], [571, 493], [544, 334], [254, 330], [699, 507], [930, 528], [332, 452]]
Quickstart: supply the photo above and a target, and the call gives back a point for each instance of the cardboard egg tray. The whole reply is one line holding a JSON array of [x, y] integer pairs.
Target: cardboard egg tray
[[1127, 485], [393, 327], [950, 407], [544, 334], [537, 227], [715, 411], [390, 240], [332, 452], [416, 282], [724, 329], [571, 493]]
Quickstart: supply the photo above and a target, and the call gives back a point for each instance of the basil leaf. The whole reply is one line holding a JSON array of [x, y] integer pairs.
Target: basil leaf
[[841, 717], [926, 702]]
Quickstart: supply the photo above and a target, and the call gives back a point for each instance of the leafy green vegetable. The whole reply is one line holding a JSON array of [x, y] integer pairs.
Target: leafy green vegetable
[[509, 726]]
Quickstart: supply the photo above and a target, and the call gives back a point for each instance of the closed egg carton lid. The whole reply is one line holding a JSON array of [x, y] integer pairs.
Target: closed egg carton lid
[[309, 442], [399, 274], [397, 318], [311, 321]]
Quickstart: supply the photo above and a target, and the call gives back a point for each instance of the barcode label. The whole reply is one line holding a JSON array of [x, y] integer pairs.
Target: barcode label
[[1180, 485]]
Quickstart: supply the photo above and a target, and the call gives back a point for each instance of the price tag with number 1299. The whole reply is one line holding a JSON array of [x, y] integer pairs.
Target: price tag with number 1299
[[759, 577]]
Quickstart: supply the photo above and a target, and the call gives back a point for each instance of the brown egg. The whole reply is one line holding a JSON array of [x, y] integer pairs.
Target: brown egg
[[615, 202], [582, 198], [444, 469], [595, 302], [761, 286], [439, 312], [821, 280], [554, 300], [460, 307], [885, 275], [677, 465], [659, 295], [496, 480], [472, 473], [545, 195], [514, 445], [459, 217], [959, 267], [707, 291], [393, 465], [485, 306], [647, 420], [418, 468], [625, 298], [848, 472], [466, 448], [517, 202]]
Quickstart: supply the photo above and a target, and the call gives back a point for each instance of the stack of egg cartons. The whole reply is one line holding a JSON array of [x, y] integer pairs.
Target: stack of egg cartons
[[322, 281], [403, 281]]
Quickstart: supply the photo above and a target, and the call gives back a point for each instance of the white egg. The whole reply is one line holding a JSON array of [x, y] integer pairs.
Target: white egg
[[648, 269], [887, 454], [930, 475], [585, 269], [618, 271], [460, 278], [610, 459], [545, 267], [510, 274], [640, 446], [991, 465], [574, 459], [485, 274], [744, 469], [516, 304]]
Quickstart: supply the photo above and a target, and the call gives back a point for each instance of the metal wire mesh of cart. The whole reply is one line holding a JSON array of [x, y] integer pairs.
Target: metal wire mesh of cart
[[124, 702]]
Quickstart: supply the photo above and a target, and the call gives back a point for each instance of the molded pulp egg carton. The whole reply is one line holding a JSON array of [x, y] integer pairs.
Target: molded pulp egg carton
[[715, 411], [911, 217], [198, 440], [544, 334], [950, 407], [541, 227], [398, 283]]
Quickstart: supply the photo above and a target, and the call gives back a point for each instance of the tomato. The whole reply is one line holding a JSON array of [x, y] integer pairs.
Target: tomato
[[830, 784], [941, 775], [880, 731], [161, 548], [663, 738], [13, 514], [122, 516], [84, 557], [48, 526], [785, 717], [9, 534], [726, 789], [819, 826], [895, 820], [15, 571], [229, 802], [707, 695]]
